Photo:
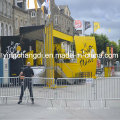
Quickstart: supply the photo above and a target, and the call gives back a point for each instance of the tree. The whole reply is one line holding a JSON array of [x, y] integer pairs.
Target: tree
[[119, 43], [101, 42]]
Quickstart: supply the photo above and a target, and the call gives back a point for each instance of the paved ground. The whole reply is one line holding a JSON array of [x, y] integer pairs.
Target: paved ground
[[117, 74], [43, 110]]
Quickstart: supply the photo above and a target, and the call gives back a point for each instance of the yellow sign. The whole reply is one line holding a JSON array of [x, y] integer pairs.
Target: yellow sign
[[39, 50], [84, 46]]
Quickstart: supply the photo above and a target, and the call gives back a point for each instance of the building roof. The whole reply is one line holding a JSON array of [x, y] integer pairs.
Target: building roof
[[62, 6]]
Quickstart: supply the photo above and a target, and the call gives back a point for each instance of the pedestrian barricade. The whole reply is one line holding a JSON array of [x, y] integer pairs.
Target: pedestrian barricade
[[61, 89]]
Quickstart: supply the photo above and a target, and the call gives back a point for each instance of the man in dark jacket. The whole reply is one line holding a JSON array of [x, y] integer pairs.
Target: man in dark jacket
[[27, 82]]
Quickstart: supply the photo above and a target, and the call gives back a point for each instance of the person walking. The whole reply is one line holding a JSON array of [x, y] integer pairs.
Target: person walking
[[27, 82], [56, 55], [55, 61]]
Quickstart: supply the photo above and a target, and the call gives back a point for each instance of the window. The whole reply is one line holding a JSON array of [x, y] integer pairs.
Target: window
[[69, 23], [16, 23], [21, 23], [56, 20], [8, 9], [65, 24], [25, 23], [10, 31], [33, 14], [19, 3], [6, 30], [2, 29], [62, 23]]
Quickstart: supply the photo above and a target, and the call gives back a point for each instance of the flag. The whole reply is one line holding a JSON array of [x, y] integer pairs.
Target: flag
[[78, 24], [96, 26], [36, 6], [33, 4], [87, 25], [42, 7], [109, 30], [46, 7], [28, 4], [47, 3], [39, 4]]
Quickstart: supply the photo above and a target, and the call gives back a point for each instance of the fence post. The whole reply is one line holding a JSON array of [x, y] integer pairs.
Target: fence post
[[95, 89]]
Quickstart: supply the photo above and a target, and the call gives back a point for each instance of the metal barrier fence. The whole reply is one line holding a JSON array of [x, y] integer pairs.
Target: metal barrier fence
[[78, 89], [108, 88], [11, 87], [117, 68]]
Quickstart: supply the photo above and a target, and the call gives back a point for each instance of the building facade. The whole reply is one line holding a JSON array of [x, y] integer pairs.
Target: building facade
[[61, 17], [20, 18], [6, 18], [13, 15], [62, 20]]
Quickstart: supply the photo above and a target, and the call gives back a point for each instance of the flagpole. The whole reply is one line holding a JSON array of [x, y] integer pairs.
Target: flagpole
[[36, 17], [28, 17], [27, 7], [83, 28]]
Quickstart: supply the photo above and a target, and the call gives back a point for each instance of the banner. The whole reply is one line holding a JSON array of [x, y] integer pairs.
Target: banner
[[112, 52], [87, 25], [77, 24]]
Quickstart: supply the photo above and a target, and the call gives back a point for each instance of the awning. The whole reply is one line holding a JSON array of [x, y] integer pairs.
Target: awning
[[62, 36], [33, 32]]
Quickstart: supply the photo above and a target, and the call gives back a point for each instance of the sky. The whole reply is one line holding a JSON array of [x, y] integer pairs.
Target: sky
[[106, 12]]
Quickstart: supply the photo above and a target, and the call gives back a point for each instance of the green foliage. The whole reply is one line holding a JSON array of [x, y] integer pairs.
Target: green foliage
[[101, 42], [119, 49], [119, 45]]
